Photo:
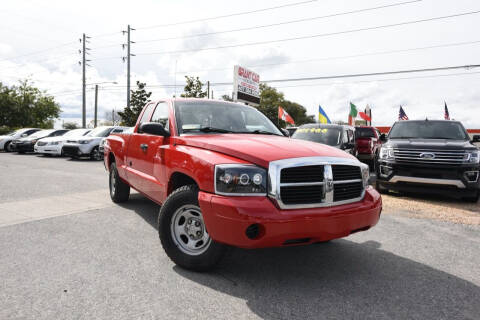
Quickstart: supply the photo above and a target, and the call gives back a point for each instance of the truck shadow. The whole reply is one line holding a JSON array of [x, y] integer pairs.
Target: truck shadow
[[339, 280]]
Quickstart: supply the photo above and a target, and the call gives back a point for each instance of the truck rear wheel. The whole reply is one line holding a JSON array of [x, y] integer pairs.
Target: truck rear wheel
[[183, 233], [119, 190]]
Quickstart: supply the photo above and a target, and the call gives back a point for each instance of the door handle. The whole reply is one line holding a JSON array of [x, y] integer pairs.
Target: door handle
[[144, 146]]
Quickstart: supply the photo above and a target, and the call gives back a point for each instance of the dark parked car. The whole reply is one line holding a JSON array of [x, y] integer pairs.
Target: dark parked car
[[429, 157], [339, 136], [27, 144]]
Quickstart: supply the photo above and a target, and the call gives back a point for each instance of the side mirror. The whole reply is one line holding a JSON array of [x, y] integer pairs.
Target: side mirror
[[383, 137], [285, 132], [154, 128], [476, 138]]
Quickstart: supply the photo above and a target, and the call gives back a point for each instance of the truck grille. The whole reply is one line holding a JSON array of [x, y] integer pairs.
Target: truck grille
[[316, 185], [430, 156]]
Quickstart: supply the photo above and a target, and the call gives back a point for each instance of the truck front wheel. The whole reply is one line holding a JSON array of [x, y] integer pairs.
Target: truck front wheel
[[119, 190], [183, 234]]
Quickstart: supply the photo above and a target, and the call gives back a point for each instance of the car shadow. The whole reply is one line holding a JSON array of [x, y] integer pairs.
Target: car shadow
[[341, 279]]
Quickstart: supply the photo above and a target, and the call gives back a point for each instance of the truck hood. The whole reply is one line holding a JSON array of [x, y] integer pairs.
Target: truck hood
[[260, 149], [430, 144]]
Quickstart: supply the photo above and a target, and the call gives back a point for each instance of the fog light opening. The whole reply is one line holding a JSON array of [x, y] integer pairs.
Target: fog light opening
[[385, 171], [253, 231], [471, 176]]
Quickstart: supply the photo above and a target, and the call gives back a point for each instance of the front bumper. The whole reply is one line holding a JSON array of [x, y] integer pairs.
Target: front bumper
[[77, 150], [24, 147], [227, 219], [366, 156], [444, 179], [49, 149]]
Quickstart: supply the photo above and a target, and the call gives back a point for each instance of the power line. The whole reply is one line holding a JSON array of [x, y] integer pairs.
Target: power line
[[281, 23], [40, 51], [228, 15], [356, 75], [374, 53], [313, 36]]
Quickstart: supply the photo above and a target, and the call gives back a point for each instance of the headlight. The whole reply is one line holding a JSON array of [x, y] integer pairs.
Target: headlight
[[240, 180], [386, 153], [365, 175], [84, 141], [472, 157]]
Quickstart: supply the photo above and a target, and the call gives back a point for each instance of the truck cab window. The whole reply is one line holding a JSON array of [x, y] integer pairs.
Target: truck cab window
[[161, 115], [147, 113]]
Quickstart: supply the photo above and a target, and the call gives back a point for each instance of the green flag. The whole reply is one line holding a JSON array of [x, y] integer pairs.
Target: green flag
[[353, 110]]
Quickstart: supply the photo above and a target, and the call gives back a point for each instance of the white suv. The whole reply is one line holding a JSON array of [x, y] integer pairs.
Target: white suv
[[54, 145]]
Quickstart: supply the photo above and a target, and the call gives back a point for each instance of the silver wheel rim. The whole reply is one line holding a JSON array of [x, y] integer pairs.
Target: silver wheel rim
[[188, 230], [96, 154], [112, 183]]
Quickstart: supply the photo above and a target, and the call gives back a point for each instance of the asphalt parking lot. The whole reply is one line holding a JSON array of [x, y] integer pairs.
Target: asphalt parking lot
[[68, 252]]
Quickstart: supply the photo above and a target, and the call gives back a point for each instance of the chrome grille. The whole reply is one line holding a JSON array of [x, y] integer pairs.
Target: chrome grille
[[430, 156], [315, 182]]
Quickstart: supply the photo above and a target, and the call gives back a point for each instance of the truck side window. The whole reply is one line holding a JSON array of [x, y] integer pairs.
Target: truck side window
[[345, 137], [147, 113], [161, 115]]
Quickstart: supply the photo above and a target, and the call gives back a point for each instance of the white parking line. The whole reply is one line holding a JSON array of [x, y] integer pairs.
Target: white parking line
[[16, 212]]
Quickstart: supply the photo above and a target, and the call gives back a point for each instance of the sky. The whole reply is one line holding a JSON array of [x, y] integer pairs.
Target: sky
[[39, 40]]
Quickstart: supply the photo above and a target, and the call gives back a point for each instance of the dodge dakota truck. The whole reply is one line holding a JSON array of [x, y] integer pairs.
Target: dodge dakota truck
[[225, 175]]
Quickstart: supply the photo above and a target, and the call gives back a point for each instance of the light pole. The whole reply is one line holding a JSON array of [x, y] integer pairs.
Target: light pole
[[96, 99]]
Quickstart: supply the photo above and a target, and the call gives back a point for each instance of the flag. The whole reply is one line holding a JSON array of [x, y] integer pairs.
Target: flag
[[353, 114], [283, 115], [322, 116], [402, 115], [447, 115], [364, 116]]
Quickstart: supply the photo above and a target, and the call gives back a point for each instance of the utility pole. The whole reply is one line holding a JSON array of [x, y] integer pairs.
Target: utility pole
[[84, 64], [84, 96], [113, 117], [96, 106], [129, 54], [208, 89]]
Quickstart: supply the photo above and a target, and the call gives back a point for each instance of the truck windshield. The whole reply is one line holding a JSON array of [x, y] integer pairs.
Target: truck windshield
[[428, 130], [364, 132], [330, 136], [203, 116]]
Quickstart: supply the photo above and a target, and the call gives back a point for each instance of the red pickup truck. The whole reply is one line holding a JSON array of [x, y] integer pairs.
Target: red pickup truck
[[224, 174]]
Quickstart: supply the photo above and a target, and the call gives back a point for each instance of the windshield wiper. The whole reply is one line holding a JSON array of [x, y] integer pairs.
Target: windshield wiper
[[260, 132], [209, 129]]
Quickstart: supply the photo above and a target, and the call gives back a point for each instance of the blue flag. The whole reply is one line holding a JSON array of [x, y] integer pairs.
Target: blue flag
[[322, 116]]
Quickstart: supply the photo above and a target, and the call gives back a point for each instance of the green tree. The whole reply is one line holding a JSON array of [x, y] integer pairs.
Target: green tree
[[271, 99], [70, 125], [27, 106], [139, 98], [193, 88]]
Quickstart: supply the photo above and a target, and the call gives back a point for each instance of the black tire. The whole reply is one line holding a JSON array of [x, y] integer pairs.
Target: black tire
[[7, 147], [176, 204], [474, 198], [119, 190], [95, 154]]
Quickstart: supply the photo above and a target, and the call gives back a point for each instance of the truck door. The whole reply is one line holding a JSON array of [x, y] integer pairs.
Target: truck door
[[144, 152], [135, 164], [155, 186]]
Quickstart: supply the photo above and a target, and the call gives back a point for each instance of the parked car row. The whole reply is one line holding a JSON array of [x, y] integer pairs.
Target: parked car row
[[58, 142]]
